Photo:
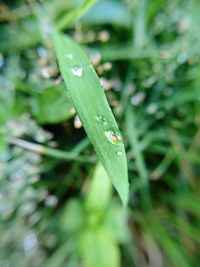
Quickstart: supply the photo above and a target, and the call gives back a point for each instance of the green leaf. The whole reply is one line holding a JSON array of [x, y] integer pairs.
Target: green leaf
[[108, 12], [98, 248], [72, 218], [51, 105], [75, 14], [100, 188], [91, 104]]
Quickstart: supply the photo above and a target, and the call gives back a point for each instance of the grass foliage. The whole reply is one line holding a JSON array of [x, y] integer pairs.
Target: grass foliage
[[57, 205]]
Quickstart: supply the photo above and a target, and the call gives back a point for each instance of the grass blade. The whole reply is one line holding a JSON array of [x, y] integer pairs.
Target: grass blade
[[91, 104], [74, 15]]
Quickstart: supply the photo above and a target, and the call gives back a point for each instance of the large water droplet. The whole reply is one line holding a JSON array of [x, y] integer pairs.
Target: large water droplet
[[119, 153], [101, 119], [70, 56], [77, 71], [114, 137]]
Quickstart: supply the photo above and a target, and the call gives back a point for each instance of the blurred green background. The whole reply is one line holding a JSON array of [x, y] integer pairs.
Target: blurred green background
[[57, 207]]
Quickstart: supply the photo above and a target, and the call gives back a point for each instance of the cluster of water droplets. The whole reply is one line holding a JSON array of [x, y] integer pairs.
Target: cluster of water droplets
[[75, 70]]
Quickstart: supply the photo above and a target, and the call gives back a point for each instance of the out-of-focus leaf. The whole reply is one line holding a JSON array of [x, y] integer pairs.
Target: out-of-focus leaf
[[72, 218], [108, 12], [75, 14], [117, 220], [98, 249], [51, 105], [100, 189], [19, 36]]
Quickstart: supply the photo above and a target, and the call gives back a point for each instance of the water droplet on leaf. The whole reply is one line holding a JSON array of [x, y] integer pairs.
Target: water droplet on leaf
[[101, 119], [70, 56], [77, 71], [114, 137], [119, 153]]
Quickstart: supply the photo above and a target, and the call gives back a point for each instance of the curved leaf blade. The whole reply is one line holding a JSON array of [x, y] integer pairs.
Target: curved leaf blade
[[92, 107]]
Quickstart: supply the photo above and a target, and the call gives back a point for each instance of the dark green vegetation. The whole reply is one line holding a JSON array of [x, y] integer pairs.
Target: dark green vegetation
[[57, 206]]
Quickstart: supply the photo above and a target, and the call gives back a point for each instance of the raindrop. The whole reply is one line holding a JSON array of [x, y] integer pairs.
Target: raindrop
[[101, 119], [119, 153], [70, 56], [114, 137], [77, 71]]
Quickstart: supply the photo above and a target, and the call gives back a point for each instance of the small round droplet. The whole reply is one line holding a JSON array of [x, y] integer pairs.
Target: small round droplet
[[70, 56], [114, 137], [77, 71], [101, 119], [119, 153]]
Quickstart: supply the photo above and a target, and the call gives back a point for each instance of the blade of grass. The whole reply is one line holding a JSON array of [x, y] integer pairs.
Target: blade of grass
[[52, 152], [133, 137], [140, 24], [60, 255], [91, 104], [71, 17], [136, 150]]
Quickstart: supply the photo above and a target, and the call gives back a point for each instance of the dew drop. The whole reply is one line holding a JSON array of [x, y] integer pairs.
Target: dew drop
[[114, 137], [70, 56], [119, 153], [77, 71], [101, 119]]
